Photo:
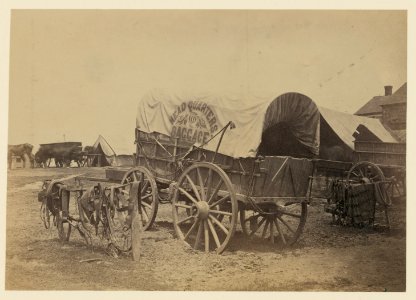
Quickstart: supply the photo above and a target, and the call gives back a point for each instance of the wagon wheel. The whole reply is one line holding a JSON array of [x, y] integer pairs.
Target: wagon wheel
[[280, 224], [149, 193], [45, 214], [367, 172], [205, 191], [54, 207]]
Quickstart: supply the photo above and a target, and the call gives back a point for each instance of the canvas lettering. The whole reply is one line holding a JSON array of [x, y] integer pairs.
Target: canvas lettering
[[193, 121]]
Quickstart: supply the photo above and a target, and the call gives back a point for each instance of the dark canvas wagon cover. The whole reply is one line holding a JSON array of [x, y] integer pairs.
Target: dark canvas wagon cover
[[198, 118]]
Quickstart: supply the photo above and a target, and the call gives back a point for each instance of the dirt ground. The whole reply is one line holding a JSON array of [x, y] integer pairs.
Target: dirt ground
[[326, 258]]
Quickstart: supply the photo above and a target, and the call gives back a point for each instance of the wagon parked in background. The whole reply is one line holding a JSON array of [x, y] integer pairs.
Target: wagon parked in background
[[62, 153]]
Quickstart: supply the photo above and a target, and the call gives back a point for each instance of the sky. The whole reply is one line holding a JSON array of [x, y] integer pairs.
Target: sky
[[75, 74]]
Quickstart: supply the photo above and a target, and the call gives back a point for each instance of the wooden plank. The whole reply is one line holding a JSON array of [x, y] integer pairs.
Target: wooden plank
[[137, 221], [183, 146], [380, 152], [93, 178], [170, 159]]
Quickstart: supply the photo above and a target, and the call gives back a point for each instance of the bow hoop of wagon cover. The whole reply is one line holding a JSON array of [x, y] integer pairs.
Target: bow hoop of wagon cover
[[197, 119]]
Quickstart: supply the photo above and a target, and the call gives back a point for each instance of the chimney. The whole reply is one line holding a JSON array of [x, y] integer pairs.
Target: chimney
[[388, 90]]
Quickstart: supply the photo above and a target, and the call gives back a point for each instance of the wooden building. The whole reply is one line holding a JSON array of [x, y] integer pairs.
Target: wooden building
[[390, 109]]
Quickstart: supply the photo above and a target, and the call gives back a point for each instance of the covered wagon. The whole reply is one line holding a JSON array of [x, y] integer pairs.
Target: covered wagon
[[222, 162], [214, 158]]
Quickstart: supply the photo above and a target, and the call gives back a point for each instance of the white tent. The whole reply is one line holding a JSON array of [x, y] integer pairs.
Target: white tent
[[104, 155]]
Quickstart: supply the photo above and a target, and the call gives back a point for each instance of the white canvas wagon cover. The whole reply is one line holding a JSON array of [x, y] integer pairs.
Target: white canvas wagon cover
[[198, 118]]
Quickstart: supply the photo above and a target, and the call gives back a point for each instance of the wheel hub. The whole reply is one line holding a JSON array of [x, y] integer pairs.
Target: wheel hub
[[365, 180], [203, 210]]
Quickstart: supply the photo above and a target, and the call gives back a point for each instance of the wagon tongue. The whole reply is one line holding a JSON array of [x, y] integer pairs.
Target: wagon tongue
[[70, 177], [49, 181]]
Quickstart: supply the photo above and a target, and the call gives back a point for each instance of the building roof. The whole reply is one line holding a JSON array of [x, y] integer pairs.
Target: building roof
[[400, 134], [374, 105], [345, 125], [400, 96], [402, 90]]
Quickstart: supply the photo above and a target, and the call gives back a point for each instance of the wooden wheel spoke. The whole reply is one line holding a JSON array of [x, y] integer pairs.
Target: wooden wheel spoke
[[194, 188], [280, 231], [145, 186], [287, 225], [206, 234], [145, 214], [220, 225], [214, 193], [183, 205], [266, 226], [271, 232], [191, 229], [185, 220], [258, 226], [208, 183], [187, 195], [251, 218], [198, 235], [220, 212], [377, 176], [201, 185], [285, 212], [220, 201], [134, 176], [214, 233], [147, 205], [146, 196]]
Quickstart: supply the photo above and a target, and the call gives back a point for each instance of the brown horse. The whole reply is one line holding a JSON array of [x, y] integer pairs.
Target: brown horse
[[24, 151]]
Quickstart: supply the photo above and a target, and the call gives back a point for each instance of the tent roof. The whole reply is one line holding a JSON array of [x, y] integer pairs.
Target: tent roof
[[105, 146], [344, 125]]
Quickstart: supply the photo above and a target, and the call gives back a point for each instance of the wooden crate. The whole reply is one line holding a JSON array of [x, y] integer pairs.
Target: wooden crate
[[115, 174]]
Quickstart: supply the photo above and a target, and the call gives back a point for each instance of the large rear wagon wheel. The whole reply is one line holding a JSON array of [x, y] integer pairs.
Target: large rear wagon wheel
[[149, 193], [205, 207], [367, 172], [280, 224]]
